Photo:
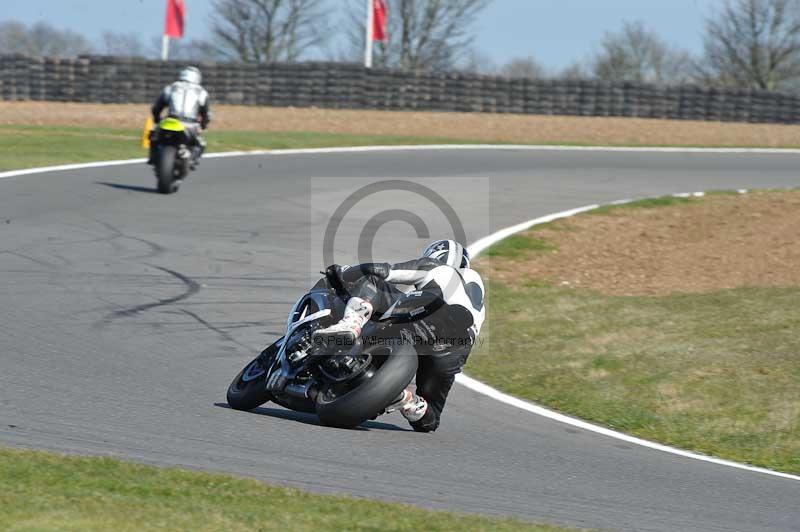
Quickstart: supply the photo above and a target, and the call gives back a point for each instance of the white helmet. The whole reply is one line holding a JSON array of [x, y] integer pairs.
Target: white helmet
[[449, 252], [191, 74]]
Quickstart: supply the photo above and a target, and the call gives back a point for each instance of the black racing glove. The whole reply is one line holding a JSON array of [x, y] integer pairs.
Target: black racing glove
[[340, 277], [333, 274]]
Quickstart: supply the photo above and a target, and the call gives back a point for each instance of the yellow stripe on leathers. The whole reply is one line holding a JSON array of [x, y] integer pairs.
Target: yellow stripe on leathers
[[148, 127]]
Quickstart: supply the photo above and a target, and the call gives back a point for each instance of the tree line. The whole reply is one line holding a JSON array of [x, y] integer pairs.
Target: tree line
[[747, 43]]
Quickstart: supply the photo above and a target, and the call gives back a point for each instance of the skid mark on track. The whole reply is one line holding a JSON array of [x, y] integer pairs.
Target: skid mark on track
[[192, 287], [211, 327], [32, 259], [155, 249]]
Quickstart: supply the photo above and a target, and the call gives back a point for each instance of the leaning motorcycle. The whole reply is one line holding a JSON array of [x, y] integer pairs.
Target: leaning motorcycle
[[344, 385], [173, 155]]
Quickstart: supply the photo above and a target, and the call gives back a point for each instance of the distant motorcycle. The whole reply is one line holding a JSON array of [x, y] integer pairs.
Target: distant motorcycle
[[173, 157], [343, 385]]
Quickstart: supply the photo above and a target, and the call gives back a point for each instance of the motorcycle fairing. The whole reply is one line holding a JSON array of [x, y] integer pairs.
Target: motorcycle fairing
[[172, 124]]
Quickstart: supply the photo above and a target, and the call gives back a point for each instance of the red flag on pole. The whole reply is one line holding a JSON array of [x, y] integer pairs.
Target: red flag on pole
[[176, 14], [379, 15]]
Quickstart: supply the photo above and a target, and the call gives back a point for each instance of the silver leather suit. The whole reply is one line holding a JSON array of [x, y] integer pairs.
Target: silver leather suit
[[187, 102]]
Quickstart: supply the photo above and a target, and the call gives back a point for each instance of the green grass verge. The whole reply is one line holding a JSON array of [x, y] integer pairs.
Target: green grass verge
[[32, 146], [647, 203], [44, 491], [717, 373], [652, 203], [517, 246], [23, 146]]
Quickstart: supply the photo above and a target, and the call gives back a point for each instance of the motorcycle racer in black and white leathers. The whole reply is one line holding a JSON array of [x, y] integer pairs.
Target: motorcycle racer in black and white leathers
[[443, 339], [187, 101]]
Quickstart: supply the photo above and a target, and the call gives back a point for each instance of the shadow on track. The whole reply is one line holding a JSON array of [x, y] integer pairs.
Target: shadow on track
[[311, 419], [133, 188]]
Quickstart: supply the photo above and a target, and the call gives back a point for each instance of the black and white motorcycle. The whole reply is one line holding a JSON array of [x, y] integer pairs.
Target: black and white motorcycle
[[344, 385]]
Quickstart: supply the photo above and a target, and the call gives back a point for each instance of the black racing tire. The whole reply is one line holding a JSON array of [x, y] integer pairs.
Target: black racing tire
[[373, 395], [249, 394], [165, 169]]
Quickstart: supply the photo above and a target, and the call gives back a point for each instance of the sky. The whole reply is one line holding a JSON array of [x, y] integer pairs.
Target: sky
[[555, 32]]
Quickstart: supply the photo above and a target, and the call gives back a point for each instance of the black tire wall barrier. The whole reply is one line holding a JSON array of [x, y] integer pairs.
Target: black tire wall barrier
[[105, 79]]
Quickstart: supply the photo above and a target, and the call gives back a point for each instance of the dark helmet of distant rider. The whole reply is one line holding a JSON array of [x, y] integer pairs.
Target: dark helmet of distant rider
[[448, 252]]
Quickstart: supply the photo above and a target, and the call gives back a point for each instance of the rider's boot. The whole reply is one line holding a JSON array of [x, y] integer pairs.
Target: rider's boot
[[197, 152], [194, 160], [151, 154], [348, 329], [411, 406]]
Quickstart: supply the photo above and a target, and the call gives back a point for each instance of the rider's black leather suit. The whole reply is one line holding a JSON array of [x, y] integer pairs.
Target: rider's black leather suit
[[445, 338]]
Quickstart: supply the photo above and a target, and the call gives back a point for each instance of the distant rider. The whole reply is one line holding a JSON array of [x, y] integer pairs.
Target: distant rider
[[443, 340], [187, 101]]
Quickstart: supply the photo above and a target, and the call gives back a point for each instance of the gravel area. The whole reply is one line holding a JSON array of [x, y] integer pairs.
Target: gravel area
[[708, 244]]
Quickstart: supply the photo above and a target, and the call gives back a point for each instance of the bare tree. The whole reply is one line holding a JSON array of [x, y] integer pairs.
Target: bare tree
[[422, 34], [637, 54], [476, 61], [753, 43], [264, 31], [193, 50], [41, 39], [14, 38], [574, 71], [129, 44], [523, 67]]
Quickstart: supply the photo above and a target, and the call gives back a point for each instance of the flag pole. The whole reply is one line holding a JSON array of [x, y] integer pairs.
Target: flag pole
[[368, 49], [164, 47]]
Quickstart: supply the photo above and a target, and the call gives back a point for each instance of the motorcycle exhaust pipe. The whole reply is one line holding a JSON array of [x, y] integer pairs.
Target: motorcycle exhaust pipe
[[304, 391]]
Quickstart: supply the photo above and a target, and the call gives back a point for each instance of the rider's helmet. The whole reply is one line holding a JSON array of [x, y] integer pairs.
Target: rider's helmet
[[449, 252], [191, 74]]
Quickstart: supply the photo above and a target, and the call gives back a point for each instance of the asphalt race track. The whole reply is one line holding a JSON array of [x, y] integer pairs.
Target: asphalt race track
[[125, 314]]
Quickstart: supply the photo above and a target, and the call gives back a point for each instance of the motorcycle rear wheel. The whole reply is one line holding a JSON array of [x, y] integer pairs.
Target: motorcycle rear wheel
[[373, 395], [165, 169]]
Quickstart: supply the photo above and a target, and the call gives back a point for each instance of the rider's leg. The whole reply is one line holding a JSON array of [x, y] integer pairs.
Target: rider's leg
[[196, 143], [435, 377], [151, 155], [199, 147], [348, 329], [369, 293]]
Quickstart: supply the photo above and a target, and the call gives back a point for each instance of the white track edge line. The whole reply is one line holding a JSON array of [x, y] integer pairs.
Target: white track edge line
[[484, 243], [480, 245], [63, 167], [428, 147]]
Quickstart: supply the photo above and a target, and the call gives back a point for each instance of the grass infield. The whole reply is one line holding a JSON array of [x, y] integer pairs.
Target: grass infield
[[716, 372], [33, 146]]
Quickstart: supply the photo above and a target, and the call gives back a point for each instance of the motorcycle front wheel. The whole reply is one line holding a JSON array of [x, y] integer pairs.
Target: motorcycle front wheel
[[248, 389]]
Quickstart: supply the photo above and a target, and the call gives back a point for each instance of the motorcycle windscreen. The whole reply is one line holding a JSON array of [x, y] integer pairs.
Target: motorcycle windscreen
[[315, 305]]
